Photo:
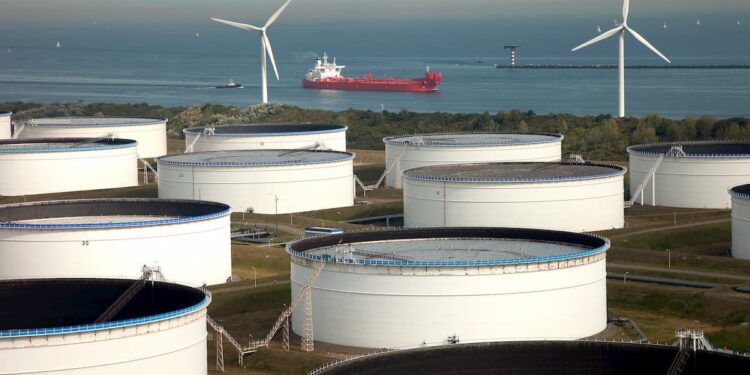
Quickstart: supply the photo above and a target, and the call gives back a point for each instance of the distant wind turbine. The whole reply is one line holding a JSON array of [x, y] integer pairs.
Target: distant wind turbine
[[265, 45], [620, 30]]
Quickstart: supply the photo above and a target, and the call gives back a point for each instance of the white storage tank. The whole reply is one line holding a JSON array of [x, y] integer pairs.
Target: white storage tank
[[740, 221], [53, 165], [151, 134], [400, 288], [5, 128], [689, 174], [577, 197], [265, 136], [413, 151], [49, 326], [261, 181], [114, 238]]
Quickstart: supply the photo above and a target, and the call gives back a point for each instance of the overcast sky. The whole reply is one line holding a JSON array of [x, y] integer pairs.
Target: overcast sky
[[181, 11]]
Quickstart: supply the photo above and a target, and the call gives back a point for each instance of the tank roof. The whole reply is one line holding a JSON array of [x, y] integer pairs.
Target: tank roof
[[267, 129], [449, 247], [741, 191], [514, 172], [63, 144], [107, 213], [702, 149], [473, 139], [74, 122], [53, 306], [255, 158], [540, 357]]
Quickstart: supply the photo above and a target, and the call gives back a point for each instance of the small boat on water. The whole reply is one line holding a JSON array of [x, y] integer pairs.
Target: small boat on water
[[230, 85], [479, 62]]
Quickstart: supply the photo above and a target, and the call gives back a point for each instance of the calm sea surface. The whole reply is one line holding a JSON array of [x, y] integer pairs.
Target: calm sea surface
[[186, 76]]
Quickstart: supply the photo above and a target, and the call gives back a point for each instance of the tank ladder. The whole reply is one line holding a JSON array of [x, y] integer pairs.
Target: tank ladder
[[688, 340], [283, 319], [366, 188], [221, 334], [317, 146], [207, 131], [93, 140], [674, 151], [281, 322], [149, 273]]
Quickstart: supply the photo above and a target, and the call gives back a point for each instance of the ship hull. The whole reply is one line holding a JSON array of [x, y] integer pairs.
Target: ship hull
[[371, 85]]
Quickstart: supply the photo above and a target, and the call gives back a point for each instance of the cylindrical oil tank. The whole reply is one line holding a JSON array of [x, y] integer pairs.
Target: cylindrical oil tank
[[115, 238], [151, 134], [265, 136], [689, 174], [740, 221], [413, 151], [261, 181], [5, 128], [40, 166], [401, 288], [49, 326], [533, 357], [578, 197]]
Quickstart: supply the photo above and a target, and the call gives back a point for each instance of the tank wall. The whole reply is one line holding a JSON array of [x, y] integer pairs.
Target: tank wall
[[421, 156], [152, 139], [52, 172], [5, 127], [688, 182], [194, 253], [397, 310], [578, 206], [173, 346], [741, 228], [330, 185], [334, 141]]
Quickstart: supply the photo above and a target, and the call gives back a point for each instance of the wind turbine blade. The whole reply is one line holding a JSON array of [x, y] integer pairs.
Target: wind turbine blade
[[645, 42], [267, 44], [277, 14], [625, 10], [600, 37], [238, 25]]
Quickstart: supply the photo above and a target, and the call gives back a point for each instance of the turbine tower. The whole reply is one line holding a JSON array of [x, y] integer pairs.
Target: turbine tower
[[265, 46], [620, 30]]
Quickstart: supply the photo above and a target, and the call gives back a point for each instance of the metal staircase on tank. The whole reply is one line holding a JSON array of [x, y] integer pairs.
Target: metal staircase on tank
[[206, 131], [366, 188], [308, 339], [689, 341], [674, 151], [149, 273]]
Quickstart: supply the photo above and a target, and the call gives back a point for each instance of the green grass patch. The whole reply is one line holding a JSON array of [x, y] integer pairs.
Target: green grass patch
[[711, 239]]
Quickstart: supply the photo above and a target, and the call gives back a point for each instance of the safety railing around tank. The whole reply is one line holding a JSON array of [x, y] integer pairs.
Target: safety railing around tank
[[341, 156], [617, 172], [533, 138], [634, 149], [141, 223], [106, 325], [456, 263], [383, 351]]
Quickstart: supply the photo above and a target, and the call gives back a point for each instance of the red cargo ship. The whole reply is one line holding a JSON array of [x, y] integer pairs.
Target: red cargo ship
[[327, 76]]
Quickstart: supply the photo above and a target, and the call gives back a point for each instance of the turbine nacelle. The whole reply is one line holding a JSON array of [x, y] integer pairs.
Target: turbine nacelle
[[621, 30], [264, 42]]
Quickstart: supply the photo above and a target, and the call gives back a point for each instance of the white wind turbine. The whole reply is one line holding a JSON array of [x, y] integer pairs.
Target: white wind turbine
[[265, 45], [620, 30]]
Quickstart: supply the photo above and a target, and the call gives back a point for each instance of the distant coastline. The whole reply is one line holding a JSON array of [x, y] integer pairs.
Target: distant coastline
[[613, 66]]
